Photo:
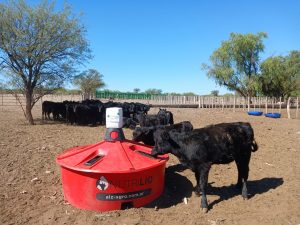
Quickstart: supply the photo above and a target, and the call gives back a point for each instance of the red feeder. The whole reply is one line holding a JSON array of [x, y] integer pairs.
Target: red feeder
[[111, 175]]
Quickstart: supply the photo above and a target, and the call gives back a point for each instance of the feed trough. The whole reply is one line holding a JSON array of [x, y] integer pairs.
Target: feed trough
[[113, 174], [255, 113], [273, 115]]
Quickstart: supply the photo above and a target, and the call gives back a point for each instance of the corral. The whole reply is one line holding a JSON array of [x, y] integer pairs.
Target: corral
[[31, 192]]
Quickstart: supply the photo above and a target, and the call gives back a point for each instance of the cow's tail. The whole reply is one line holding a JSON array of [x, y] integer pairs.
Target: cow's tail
[[254, 146]]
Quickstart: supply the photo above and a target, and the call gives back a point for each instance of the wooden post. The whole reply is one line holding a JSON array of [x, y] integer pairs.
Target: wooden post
[[280, 105], [266, 110], [248, 104], [288, 108], [297, 107], [234, 103], [243, 102], [222, 103]]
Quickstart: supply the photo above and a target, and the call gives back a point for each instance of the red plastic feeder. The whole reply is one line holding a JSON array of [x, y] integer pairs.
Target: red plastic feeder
[[111, 175]]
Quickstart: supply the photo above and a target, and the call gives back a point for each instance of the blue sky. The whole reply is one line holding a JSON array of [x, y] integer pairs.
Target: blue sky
[[162, 43]]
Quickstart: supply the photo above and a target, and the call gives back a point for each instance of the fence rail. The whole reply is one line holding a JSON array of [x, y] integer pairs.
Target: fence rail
[[265, 104]]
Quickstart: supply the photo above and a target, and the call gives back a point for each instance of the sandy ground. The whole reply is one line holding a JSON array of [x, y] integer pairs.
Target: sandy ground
[[28, 152]]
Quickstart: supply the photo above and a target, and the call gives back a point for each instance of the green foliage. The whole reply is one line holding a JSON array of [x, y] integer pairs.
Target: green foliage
[[188, 94], [2, 85], [153, 91], [88, 81], [236, 63], [66, 91], [40, 48], [215, 93], [280, 75], [228, 95], [136, 90]]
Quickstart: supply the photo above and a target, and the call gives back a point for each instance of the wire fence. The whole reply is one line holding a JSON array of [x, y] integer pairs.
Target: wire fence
[[289, 107]]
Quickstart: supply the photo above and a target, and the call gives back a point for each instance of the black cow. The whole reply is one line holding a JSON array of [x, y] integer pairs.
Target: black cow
[[47, 107], [145, 134], [129, 123], [216, 144], [168, 116], [56, 108], [151, 120]]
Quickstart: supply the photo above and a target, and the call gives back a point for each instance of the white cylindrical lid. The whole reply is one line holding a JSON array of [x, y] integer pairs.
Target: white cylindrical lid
[[114, 117]]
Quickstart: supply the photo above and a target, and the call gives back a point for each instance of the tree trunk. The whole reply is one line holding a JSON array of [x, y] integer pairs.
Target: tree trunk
[[28, 107]]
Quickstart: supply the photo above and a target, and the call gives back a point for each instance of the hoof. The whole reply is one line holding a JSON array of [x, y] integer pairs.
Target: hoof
[[204, 210], [245, 197], [197, 193]]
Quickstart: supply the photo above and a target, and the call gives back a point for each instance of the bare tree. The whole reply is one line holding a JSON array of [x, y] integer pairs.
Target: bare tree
[[39, 48]]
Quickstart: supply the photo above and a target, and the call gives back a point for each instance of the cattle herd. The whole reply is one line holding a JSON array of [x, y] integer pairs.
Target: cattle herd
[[92, 112], [196, 148]]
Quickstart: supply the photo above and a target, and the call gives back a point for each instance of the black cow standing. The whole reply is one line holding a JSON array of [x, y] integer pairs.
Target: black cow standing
[[216, 144]]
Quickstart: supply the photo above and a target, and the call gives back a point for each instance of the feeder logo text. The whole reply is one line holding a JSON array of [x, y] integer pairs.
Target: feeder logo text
[[122, 196], [102, 184]]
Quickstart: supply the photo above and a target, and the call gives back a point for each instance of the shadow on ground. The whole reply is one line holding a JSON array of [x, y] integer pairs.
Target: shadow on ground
[[177, 187], [254, 187]]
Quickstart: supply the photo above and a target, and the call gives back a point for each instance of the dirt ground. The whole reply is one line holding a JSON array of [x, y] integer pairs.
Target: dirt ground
[[31, 189]]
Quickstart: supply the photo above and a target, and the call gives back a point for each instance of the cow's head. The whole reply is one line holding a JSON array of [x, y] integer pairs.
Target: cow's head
[[142, 134], [163, 142]]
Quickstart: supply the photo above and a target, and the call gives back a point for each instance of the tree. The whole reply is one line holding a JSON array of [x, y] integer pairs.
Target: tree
[[279, 75], [136, 90], [214, 93], [39, 48], [153, 91], [236, 63], [88, 81], [188, 94], [2, 86]]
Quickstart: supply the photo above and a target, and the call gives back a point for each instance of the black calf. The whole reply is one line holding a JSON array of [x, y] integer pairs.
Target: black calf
[[200, 148]]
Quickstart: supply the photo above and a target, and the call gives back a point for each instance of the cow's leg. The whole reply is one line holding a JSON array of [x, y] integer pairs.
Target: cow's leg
[[197, 187], [243, 173], [48, 115], [203, 175], [239, 168]]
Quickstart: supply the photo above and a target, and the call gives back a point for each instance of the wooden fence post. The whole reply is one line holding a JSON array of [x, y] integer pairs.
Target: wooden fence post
[[222, 103], [234, 102], [288, 108], [248, 104], [266, 110], [280, 105], [297, 107]]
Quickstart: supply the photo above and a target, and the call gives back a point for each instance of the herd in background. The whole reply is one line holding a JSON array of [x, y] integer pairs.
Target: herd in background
[[92, 112], [197, 149]]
